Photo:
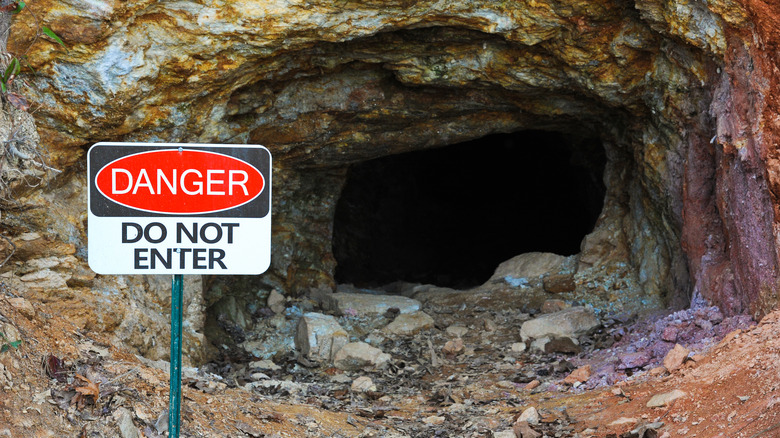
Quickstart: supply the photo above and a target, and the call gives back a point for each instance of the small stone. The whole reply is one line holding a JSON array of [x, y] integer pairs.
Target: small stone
[[505, 434], [533, 384], [409, 324], [622, 421], [675, 357], [453, 347], [265, 364], [375, 338], [124, 420], [665, 398], [259, 376], [634, 360], [10, 332], [580, 375], [23, 306], [434, 420], [657, 371], [276, 302], [518, 347], [697, 358], [358, 355], [670, 334], [457, 331], [530, 416], [340, 378], [363, 384], [552, 306], [489, 325], [523, 430]]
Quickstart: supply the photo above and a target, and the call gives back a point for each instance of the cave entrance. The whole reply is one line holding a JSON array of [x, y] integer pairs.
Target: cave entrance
[[449, 216]]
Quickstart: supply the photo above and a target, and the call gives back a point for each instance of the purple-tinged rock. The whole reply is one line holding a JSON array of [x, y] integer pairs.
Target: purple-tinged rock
[[634, 360]]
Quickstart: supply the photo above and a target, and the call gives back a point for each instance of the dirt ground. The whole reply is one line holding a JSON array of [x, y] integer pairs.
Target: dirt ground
[[62, 382]]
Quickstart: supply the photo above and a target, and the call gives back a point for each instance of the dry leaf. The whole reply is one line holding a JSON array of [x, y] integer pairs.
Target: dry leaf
[[91, 389], [18, 101]]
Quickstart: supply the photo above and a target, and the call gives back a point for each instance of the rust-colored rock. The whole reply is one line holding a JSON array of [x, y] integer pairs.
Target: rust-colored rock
[[560, 283]]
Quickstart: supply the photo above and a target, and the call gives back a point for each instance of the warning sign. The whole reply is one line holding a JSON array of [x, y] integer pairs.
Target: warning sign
[[158, 208]]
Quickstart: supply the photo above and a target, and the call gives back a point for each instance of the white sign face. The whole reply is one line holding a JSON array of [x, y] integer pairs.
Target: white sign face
[[161, 208]]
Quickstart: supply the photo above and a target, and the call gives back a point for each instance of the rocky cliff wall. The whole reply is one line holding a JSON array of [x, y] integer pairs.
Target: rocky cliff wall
[[678, 92]]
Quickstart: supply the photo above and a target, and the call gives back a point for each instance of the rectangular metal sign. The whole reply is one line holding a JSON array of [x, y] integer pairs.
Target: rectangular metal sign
[[166, 208]]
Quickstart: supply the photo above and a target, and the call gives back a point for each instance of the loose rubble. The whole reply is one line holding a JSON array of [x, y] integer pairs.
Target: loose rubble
[[441, 369]]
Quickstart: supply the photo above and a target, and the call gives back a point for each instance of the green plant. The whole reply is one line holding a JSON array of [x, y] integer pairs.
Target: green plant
[[14, 62], [6, 345]]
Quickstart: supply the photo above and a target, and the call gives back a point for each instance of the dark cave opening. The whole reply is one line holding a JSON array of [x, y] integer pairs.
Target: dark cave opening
[[449, 216]]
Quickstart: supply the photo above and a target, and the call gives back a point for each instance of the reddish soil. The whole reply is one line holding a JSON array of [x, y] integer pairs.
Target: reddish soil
[[732, 391]]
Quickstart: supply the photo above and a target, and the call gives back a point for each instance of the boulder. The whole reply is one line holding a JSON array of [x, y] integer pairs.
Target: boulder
[[319, 336], [359, 355], [531, 264], [408, 324], [568, 323]]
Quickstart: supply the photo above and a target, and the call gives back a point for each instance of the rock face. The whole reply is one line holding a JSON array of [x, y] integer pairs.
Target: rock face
[[681, 95]]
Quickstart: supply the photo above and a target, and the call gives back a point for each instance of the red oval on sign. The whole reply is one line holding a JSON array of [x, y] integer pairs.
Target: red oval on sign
[[180, 182]]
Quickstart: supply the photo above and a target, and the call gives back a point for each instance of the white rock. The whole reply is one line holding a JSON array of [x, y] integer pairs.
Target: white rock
[[530, 416], [457, 331], [359, 355], [664, 399], [505, 434], [10, 332], [622, 421], [125, 421], [408, 324], [568, 323], [518, 347], [434, 420], [319, 336], [363, 384], [46, 279], [265, 364], [369, 304]]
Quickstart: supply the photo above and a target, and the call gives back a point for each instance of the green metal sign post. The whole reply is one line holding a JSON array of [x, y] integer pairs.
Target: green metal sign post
[[178, 209], [174, 400]]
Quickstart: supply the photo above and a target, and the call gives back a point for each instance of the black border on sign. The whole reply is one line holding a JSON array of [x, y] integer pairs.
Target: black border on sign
[[101, 154]]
